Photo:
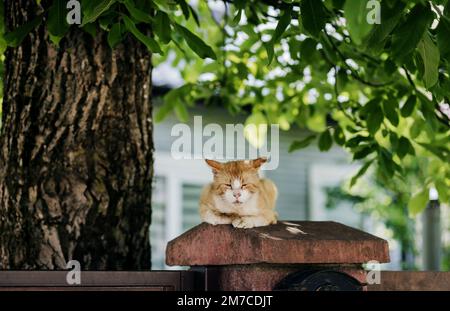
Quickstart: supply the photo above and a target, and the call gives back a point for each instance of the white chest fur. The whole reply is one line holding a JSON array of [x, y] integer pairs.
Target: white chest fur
[[248, 208]]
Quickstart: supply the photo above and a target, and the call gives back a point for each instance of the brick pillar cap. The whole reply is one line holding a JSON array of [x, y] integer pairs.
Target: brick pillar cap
[[287, 242]]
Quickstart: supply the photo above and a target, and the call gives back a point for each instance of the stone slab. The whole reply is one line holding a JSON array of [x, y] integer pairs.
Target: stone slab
[[287, 242]]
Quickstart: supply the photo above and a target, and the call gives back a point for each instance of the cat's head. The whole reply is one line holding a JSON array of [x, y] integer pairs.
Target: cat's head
[[236, 181]]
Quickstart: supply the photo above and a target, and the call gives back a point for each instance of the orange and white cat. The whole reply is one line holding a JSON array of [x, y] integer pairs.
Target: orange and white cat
[[238, 196]]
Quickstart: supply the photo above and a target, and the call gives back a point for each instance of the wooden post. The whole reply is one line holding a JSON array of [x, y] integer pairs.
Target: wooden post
[[432, 236]]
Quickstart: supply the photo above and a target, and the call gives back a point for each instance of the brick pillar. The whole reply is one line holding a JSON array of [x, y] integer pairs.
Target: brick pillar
[[301, 255]]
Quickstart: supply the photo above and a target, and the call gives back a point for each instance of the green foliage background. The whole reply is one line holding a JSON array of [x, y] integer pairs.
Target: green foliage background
[[381, 91]]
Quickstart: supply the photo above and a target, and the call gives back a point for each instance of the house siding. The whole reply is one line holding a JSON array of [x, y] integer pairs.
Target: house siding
[[291, 176]]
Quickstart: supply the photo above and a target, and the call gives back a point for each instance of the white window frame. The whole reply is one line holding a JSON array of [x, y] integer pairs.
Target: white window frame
[[176, 173]]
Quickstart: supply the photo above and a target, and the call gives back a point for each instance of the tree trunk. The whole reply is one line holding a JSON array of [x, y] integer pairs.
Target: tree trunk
[[75, 151]]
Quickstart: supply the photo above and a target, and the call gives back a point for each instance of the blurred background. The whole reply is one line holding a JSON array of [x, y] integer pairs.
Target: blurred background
[[312, 185], [296, 92]]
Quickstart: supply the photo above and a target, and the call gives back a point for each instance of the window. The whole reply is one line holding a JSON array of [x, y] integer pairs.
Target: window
[[157, 227], [176, 192]]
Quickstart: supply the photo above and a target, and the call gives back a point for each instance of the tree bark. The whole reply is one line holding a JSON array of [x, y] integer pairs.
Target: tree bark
[[75, 151]]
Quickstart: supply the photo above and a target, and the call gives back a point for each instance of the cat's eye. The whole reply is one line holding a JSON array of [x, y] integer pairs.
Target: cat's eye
[[244, 185], [228, 185]]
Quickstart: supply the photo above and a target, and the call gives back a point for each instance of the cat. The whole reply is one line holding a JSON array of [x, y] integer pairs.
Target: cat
[[238, 196]]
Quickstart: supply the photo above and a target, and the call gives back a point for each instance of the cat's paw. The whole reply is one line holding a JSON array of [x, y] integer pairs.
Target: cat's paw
[[250, 222], [219, 221], [244, 223]]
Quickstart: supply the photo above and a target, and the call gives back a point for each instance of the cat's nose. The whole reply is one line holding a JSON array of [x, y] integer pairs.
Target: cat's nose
[[237, 194]]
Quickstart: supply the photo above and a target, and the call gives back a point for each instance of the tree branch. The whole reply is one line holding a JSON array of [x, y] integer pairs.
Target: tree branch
[[438, 113], [353, 73]]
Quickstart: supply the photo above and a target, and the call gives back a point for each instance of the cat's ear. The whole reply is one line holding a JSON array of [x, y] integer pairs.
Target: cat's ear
[[216, 166], [256, 163]]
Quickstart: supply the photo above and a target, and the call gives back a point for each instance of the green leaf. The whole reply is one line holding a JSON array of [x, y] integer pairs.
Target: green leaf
[[282, 25], [172, 102], [370, 105], [161, 3], [195, 43], [338, 4], [3, 46], [94, 11], [236, 18], [355, 141], [443, 33], [107, 19], [328, 48], [374, 119], [444, 194], [406, 37], [56, 24], [54, 39], [393, 139], [149, 42], [427, 108], [325, 141], [313, 16], [363, 151], [390, 111], [418, 202], [387, 165], [339, 136], [409, 105], [360, 173], [184, 8], [164, 110], [161, 26], [341, 80], [297, 145], [137, 14], [294, 48], [316, 121], [15, 37], [308, 49], [430, 57], [355, 13], [115, 35], [181, 111], [416, 128], [411, 150], [90, 29], [440, 151], [195, 16], [2, 18], [404, 147]]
